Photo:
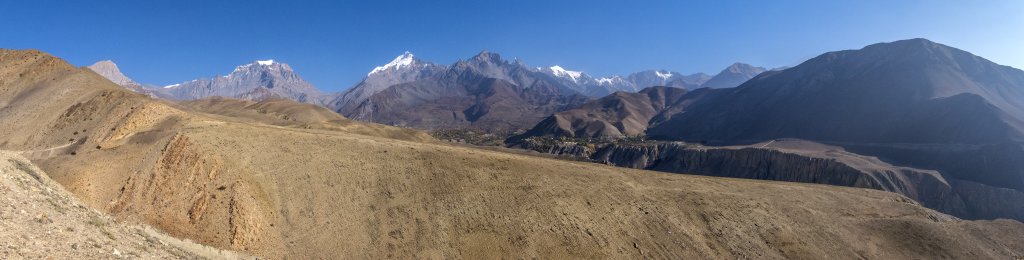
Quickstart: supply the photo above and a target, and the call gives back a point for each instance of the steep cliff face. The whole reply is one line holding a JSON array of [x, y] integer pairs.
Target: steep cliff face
[[800, 161], [927, 187], [986, 202]]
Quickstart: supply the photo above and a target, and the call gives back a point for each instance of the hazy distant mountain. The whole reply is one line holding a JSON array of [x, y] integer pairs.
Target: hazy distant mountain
[[691, 82], [598, 87], [484, 92], [258, 80], [578, 81], [650, 78], [108, 69], [733, 76]]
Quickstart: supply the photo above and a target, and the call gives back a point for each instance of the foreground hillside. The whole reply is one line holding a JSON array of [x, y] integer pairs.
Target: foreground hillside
[[42, 220], [285, 191]]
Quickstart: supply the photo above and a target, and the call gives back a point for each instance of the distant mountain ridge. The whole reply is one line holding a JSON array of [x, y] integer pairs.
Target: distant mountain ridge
[[733, 76], [402, 91], [597, 87], [559, 89], [271, 79], [485, 92], [258, 80]]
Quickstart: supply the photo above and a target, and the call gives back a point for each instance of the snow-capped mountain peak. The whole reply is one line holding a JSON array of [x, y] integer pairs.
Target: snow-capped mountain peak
[[268, 64], [609, 80], [561, 72], [257, 80], [663, 75], [404, 60]]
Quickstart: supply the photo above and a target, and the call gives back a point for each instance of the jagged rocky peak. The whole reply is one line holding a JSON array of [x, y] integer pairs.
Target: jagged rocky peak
[[486, 55], [257, 80], [262, 65]]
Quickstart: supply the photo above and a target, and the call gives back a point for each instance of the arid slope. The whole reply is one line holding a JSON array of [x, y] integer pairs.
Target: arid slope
[[285, 112], [42, 220], [278, 191]]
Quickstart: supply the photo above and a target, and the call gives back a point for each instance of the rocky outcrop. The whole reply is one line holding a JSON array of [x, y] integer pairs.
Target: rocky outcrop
[[566, 149]]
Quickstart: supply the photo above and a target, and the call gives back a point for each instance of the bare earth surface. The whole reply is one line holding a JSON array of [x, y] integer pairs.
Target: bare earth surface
[[286, 191], [39, 219]]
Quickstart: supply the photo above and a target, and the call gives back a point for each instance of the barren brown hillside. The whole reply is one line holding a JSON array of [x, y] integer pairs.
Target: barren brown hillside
[[284, 112], [296, 192], [42, 220]]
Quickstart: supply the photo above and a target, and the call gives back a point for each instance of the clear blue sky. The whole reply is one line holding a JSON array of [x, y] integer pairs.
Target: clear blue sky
[[334, 44]]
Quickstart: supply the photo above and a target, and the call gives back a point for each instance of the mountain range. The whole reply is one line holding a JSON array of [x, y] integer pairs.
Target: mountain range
[[425, 99], [279, 179], [254, 81], [913, 103]]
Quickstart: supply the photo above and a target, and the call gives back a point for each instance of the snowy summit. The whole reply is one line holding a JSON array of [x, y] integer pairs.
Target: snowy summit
[[663, 75], [561, 72], [403, 60]]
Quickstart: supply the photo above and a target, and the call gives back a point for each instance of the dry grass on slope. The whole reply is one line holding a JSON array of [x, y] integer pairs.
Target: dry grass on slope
[[283, 112]]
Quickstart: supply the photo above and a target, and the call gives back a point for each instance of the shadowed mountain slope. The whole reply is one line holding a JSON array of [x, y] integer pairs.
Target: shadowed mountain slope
[[614, 116]]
